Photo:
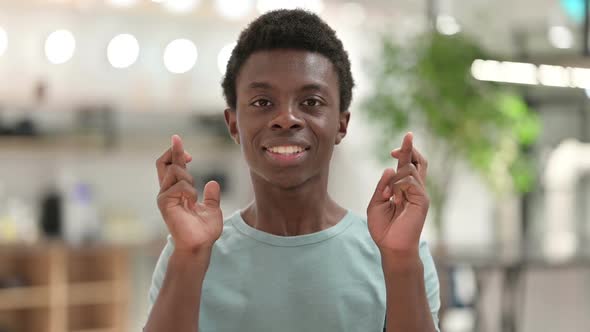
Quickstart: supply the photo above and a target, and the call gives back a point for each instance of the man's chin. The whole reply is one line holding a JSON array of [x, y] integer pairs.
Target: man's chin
[[287, 179], [290, 185], [288, 182]]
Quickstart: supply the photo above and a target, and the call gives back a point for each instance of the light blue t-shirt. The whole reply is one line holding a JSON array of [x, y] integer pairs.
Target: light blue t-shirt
[[330, 280]]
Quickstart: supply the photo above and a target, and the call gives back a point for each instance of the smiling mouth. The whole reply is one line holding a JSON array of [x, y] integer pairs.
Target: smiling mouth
[[286, 149], [286, 155]]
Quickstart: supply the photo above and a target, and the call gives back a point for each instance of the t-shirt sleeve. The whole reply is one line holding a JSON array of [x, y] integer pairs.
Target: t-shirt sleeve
[[159, 273], [431, 283]]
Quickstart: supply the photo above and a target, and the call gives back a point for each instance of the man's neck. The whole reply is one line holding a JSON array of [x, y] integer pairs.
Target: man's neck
[[301, 210]]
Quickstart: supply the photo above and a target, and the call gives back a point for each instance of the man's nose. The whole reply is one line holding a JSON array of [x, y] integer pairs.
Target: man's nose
[[287, 117]]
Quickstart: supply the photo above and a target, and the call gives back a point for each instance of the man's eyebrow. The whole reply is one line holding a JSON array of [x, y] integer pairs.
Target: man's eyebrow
[[314, 87], [259, 86], [306, 87]]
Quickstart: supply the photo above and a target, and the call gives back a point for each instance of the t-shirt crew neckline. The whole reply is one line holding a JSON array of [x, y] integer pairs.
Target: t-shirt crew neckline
[[291, 241]]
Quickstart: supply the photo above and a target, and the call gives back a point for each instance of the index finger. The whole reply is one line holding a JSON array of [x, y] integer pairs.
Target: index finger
[[417, 159], [165, 160], [178, 151], [405, 156]]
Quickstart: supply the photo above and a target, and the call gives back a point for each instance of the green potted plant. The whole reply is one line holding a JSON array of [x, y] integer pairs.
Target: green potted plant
[[427, 86]]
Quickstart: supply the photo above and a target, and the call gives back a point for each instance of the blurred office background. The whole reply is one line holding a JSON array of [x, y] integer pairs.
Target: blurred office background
[[92, 90]]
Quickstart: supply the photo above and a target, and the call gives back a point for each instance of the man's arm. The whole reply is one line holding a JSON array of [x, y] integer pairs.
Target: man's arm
[[396, 215], [177, 304], [194, 227], [412, 301]]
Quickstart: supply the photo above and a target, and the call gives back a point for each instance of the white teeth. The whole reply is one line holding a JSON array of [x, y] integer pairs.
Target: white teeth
[[290, 149]]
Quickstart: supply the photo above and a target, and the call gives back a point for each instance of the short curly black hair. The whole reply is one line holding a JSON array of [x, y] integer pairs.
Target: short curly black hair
[[289, 29]]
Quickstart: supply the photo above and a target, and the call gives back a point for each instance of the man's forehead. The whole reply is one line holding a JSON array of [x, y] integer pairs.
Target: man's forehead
[[274, 68]]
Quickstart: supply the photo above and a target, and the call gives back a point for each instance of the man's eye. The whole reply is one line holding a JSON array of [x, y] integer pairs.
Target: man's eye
[[261, 103], [312, 102]]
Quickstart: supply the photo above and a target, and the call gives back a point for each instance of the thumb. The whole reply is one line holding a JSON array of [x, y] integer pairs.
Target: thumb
[[212, 194]]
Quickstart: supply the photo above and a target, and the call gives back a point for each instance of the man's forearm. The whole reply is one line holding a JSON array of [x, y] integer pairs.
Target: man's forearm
[[178, 302], [407, 304]]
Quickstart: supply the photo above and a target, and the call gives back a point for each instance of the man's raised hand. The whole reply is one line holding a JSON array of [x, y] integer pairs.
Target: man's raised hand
[[193, 225], [398, 208]]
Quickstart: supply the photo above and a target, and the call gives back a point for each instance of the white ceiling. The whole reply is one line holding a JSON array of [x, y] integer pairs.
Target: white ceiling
[[492, 21], [146, 84]]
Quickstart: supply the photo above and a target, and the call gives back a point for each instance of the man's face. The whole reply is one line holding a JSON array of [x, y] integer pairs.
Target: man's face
[[288, 115]]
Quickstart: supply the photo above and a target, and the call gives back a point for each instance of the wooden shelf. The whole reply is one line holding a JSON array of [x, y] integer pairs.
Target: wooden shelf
[[98, 292], [24, 298], [74, 289], [31, 319]]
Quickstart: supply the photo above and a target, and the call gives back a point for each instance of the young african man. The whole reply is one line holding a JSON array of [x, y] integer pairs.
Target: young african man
[[293, 259]]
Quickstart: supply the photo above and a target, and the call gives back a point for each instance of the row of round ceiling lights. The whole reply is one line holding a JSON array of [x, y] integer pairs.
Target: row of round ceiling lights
[[180, 55], [230, 9], [560, 36]]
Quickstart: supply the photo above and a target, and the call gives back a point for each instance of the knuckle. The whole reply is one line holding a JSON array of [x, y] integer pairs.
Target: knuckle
[[167, 175], [165, 181], [160, 198], [186, 185], [174, 170], [183, 173], [161, 158]]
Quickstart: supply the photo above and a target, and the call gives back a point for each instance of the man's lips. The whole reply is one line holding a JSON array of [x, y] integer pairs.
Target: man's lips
[[286, 154], [286, 157], [286, 148]]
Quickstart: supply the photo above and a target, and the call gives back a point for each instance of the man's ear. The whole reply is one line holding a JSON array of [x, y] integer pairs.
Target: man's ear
[[343, 126], [230, 122]]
